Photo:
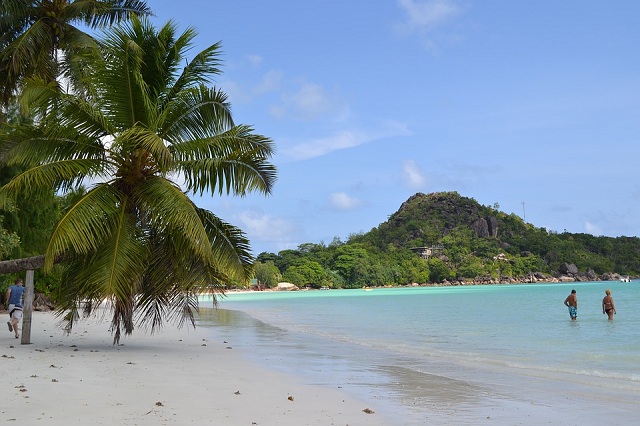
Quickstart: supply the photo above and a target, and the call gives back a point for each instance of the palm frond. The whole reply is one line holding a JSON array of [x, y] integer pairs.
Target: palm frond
[[199, 70], [32, 32], [230, 246], [86, 225], [119, 80], [85, 118], [172, 283], [39, 95], [61, 175], [39, 146], [107, 13], [14, 19], [29, 54], [111, 272], [162, 57], [140, 138], [168, 209], [120, 260], [196, 114], [233, 162], [74, 66], [100, 13]]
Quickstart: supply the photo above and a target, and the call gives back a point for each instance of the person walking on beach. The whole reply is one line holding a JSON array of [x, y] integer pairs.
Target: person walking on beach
[[607, 305], [14, 300], [572, 303]]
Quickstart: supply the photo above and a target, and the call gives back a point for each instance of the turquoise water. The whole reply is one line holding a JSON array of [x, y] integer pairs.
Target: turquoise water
[[508, 353]]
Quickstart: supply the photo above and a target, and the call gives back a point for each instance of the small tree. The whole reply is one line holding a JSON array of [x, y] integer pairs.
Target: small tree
[[438, 270], [306, 273], [267, 273]]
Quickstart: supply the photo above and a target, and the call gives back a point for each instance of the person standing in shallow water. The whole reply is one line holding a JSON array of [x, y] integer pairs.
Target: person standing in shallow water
[[572, 303], [607, 305]]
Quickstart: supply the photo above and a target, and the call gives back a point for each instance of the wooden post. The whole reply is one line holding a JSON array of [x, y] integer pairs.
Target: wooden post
[[27, 308]]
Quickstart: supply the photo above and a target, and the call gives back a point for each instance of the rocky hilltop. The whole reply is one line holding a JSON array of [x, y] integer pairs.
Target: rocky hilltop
[[466, 233]]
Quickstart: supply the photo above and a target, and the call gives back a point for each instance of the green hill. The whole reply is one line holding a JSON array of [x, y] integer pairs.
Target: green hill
[[444, 236], [456, 221]]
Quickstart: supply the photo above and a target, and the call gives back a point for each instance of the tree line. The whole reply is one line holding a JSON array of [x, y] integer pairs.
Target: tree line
[[390, 253]]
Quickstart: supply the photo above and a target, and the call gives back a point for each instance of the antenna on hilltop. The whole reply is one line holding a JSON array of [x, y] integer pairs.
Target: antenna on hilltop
[[524, 213]]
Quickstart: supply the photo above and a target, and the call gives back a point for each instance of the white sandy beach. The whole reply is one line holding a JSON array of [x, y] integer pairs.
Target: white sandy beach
[[172, 377]]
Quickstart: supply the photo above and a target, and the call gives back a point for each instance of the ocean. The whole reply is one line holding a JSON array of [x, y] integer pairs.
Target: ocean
[[495, 354]]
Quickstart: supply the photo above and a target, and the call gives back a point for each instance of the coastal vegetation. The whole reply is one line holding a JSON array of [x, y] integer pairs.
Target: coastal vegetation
[[447, 238], [117, 148]]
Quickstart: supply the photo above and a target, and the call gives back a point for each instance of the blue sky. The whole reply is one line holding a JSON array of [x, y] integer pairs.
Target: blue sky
[[531, 105]]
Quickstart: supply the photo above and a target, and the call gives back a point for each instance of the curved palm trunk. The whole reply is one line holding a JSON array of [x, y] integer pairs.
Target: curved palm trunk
[[24, 264]]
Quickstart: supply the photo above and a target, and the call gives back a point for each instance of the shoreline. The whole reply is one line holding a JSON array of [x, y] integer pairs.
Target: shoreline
[[446, 283], [175, 376]]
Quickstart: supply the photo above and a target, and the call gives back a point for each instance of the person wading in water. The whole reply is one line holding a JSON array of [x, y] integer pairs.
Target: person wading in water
[[572, 303]]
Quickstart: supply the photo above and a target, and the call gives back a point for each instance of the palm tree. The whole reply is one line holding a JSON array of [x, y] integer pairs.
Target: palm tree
[[43, 37], [148, 129]]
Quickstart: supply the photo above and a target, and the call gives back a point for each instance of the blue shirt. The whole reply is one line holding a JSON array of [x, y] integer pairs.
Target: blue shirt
[[15, 298]]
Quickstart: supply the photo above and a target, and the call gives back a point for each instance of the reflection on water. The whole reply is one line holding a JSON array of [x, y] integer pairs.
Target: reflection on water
[[224, 317]]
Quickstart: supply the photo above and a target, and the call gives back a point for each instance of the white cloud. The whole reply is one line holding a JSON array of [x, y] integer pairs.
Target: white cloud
[[424, 17], [344, 140], [323, 146], [271, 81], [310, 101], [255, 60], [592, 229], [343, 201], [264, 226], [236, 92], [310, 98], [266, 230], [414, 176]]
